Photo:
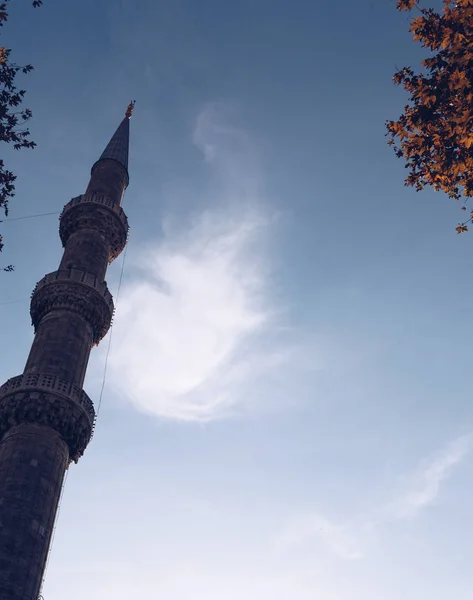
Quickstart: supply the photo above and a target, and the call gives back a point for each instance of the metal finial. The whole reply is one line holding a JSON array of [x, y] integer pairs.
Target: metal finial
[[129, 109]]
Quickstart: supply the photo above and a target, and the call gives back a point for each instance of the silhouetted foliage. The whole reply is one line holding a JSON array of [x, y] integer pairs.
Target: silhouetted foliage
[[12, 117], [434, 134]]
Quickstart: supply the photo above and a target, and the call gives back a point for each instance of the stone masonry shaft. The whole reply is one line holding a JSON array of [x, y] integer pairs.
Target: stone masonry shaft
[[46, 419]]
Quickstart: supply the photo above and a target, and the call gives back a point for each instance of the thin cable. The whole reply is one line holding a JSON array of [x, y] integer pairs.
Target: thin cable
[[13, 302], [53, 535], [29, 217], [111, 332], [111, 327]]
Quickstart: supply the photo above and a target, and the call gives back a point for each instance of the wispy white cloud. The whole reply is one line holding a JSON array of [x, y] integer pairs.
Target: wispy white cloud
[[306, 529], [426, 482], [192, 325], [352, 540], [182, 323]]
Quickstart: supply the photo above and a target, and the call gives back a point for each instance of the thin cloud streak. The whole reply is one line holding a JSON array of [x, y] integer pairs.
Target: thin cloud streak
[[427, 482], [306, 530]]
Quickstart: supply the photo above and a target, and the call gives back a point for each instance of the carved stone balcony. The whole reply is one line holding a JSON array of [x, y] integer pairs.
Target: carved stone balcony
[[76, 291], [99, 213], [43, 399]]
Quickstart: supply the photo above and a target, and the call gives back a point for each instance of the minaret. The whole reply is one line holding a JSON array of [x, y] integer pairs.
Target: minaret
[[46, 419]]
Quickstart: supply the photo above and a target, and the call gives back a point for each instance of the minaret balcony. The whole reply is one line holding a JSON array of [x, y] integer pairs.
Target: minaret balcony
[[99, 213], [47, 400], [76, 291]]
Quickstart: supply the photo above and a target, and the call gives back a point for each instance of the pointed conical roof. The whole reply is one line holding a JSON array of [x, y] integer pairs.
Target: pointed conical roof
[[117, 147]]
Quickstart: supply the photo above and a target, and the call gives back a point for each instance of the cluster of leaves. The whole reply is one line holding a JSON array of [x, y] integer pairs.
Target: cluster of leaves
[[435, 132], [12, 118]]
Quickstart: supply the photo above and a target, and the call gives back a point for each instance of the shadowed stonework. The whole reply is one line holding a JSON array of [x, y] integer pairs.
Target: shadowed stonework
[[46, 419]]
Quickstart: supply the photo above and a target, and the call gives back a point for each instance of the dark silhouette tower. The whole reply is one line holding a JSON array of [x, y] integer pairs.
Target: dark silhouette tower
[[46, 419]]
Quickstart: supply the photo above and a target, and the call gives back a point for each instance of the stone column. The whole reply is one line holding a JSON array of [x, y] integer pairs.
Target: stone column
[[46, 419]]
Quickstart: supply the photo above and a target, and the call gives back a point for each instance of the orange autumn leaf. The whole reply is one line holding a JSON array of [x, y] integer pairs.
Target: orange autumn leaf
[[406, 4], [434, 134]]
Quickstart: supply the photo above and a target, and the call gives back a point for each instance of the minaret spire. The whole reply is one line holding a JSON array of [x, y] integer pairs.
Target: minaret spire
[[117, 147], [46, 419], [109, 174]]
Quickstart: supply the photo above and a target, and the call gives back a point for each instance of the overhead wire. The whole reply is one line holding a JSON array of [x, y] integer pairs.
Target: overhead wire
[[8, 220], [109, 347], [53, 534], [13, 302], [99, 404]]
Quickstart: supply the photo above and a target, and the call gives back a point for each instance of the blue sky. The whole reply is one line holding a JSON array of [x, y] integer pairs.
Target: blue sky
[[287, 406]]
